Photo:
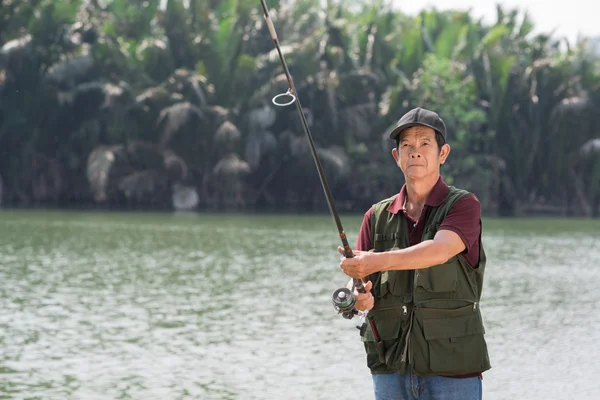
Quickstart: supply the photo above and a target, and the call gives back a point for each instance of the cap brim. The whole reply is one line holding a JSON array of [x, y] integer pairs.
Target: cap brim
[[400, 128]]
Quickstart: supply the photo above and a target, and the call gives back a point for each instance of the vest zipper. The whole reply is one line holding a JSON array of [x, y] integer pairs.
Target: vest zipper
[[475, 304], [404, 310], [406, 351]]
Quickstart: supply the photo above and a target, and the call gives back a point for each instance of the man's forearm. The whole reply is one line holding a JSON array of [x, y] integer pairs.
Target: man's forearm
[[422, 255]]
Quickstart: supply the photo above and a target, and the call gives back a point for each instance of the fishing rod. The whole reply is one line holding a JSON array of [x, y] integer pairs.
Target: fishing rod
[[343, 298]]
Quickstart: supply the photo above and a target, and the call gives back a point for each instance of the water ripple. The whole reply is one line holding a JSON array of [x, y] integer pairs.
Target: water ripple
[[105, 306]]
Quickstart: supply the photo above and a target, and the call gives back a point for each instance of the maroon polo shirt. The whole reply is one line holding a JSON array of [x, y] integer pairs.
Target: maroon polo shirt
[[463, 219]]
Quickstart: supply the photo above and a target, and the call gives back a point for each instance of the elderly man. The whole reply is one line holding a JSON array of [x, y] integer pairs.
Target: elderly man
[[421, 256]]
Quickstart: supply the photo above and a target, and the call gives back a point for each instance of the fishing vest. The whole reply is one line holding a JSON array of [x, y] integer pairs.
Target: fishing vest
[[428, 319]]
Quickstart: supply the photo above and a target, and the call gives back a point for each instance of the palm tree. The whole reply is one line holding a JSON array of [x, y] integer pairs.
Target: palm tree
[[187, 89]]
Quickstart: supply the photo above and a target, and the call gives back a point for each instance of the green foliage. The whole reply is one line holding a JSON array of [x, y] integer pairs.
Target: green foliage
[[194, 82], [445, 86]]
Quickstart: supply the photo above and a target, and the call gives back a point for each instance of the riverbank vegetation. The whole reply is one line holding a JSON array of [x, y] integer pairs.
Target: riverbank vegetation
[[124, 104]]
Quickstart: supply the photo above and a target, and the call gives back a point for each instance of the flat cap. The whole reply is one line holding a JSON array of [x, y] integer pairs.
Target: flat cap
[[420, 117]]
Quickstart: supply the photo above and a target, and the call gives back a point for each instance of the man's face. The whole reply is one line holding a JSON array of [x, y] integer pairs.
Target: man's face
[[418, 155]]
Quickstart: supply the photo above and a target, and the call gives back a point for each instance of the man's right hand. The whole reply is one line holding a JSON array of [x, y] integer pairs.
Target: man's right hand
[[364, 301]]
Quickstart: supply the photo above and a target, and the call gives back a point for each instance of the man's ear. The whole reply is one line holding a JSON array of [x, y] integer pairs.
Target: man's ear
[[395, 154], [444, 153]]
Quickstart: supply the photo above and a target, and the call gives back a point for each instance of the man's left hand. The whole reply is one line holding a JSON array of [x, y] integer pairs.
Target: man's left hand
[[362, 264]]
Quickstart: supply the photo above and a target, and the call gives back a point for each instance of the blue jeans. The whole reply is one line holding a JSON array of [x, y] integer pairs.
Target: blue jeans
[[410, 386]]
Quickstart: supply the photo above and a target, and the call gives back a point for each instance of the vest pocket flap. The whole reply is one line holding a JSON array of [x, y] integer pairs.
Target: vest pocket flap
[[388, 322], [449, 342], [384, 236], [448, 328]]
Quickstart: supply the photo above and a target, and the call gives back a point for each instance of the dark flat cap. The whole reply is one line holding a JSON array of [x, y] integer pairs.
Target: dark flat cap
[[420, 117]]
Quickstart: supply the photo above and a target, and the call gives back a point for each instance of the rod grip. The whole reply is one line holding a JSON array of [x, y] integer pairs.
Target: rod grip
[[358, 283], [271, 27], [347, 250]]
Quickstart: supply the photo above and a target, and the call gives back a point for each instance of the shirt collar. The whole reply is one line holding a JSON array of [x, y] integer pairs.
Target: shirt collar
[[436, 197]]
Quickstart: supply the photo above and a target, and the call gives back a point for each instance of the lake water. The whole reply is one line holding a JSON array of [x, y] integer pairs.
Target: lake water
[[193, 306]]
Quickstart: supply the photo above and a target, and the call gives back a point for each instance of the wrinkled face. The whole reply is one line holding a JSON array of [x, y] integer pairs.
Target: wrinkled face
[[418, 155]]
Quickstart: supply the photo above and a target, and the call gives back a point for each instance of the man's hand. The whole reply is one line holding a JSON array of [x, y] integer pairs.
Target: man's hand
[[362, 264]]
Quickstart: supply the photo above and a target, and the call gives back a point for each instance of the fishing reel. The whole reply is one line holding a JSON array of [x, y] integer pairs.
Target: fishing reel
[[343, 302]]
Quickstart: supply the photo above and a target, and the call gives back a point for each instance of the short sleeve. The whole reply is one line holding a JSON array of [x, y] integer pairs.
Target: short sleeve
[[464, 219], [363, 241]]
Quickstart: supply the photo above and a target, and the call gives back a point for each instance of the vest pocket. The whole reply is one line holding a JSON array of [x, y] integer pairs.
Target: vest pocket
[[384, 241], [400, 284], [390, 323], [449, 342], [442, 278]]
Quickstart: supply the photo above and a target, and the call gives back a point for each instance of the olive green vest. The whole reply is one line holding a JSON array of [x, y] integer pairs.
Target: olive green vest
[[428, 319]]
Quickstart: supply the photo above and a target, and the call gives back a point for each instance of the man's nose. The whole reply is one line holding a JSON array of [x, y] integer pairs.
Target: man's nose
[[415, 154]]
